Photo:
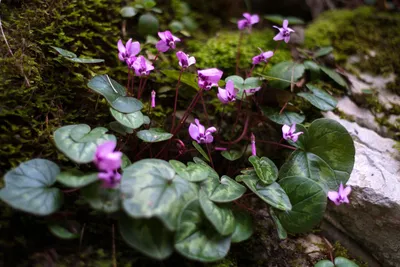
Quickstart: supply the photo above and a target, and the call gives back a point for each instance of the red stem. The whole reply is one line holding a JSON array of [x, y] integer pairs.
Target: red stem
[[176, 99], [246, 125]]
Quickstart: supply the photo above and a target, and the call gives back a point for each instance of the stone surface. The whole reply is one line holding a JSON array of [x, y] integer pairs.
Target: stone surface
[[314, 246], [373, 216]]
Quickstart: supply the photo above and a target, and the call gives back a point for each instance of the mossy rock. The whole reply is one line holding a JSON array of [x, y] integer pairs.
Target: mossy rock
[[221, 50]]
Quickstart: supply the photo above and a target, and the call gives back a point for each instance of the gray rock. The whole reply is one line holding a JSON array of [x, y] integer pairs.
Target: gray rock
[[373, 216]]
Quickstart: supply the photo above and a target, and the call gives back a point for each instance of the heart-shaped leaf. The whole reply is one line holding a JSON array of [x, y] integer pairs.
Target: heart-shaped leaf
[[151, 188], [285, 72], [119, 128], [201, 150], [313, 68], [232, 155], [334, 76], [75, 178], [319, 98], [154, 135], [343, 262], [131, 120], [211, 172], [226, 191], [308, 204], [149, 236], [28, 187], [273, 194], [74, 58], [103, 199], [266, 170], [286, 117], [62, 232], [243, 226], [245, 85], [192, 173], [197, 239], [128, 12], [79, 143], [220, 215], [148, 24], [282, 234], [323, 51], [115, 94]]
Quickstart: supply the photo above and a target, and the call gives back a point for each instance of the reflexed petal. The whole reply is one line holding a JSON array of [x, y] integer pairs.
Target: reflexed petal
[[121, 56], [176, 39], [209, 139], [257, 60], [168, 36], [279, 37], [230, 88], [121, 47], [333, 196], [290, 30], [268, 54], [134, 49], [247, 16], [200, 126], [193, 131], [222, 95], [162, 35], [162, 46], [191, 61], [213, 75], [287, 39], [347, 191], [296, 136], [106, 148], [211, 130], [292, 128], [285, 23], [242, 24], [128, 45], [254, 19], [340, 189], [285, 129]]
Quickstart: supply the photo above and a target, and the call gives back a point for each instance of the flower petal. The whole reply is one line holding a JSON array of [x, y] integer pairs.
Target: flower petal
[[121, 47], [333, 196], [191, 61], [211, 130], [201, 127], [285, 24], [134, 49], [247, 16], [347, 191], [279, 37], [254, 19], [268, 54], [162, 46], [287, 39], [242, 24], [285, 129], [162, 35], [193, 131]]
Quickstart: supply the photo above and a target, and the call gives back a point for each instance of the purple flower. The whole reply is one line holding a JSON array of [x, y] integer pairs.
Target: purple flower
[[209, 78], [252, 90], [248, 21], [129, 50], [200, 134], [167, 41], [289, 132], [153, 99], [228, 94], [142, 66], [106, 158], [284, 32], [110, 178], [340, 196], [253, 145], [184, 60], [263, 57]]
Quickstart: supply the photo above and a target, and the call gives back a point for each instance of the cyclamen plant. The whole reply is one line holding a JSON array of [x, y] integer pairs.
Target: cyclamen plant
[[162, 204]]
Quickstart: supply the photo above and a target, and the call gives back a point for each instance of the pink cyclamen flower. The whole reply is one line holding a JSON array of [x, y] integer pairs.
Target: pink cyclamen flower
[[106, 158], [131, 49], [284, 32], [263, 57], [341, 196], [184, 60], [200, 134], [248, 21], [209, 78], [288, 132], [228, 94], [253, 145], [110, 178], [142, 66], [167, 41], [153, 99]]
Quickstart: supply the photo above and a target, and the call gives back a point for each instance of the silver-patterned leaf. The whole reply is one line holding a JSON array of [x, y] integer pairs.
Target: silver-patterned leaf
[[266, 170], [227, 190], [243, 226], [75, 178], [131, 120], [192, 173]]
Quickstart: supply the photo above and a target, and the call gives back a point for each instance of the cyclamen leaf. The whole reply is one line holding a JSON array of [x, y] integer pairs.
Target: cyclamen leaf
[[28, 187], [319, 98], [313, 68], [148, 24], [282, 234], [131, 120], [128, 12], [287, 117], [201, 150], [324, 263], [103, 199], [153, 135], [149, 236], [74, 58], [242, 85], [192, 173], [75, 178], [323, 51], [266, 170], [334, 76], [151, 188], [197, 239], [343, 262], [79, 142], [284, 71], [227, 190], [119, 128], [231, 155], [243, 226], [61, 232]]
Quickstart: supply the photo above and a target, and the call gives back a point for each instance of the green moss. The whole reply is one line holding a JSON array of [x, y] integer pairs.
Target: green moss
[[220, 51], [358, 32], [229, 261], [58, 94], [341, 251]]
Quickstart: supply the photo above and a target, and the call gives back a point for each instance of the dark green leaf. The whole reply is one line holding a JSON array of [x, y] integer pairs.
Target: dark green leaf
[[73, 57], [323, 51], [149, 236], [196, 238], [128, 12], [201, 151], [115, 94], [284, 72], [243, 226], [79, 142], [62, 232], [226, 191], [192, 173], [151, 188], [212, 172], [130, 120], [65, 53], [241, 85], [148, 24], [187, 78], [334, 76], [343, 262], [266, 170], [313, 68], [154, 135], [126, 162], [286, 117], [319, 98], [148, 4], [231, 155], [102, 199], [119, 128], [28, 187], [282, 234], [75, 178], [176, 26]]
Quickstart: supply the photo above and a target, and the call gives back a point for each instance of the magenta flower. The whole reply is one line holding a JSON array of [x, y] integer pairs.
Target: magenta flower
[[110, 178], [253, 145], [167, 41], [289, 132], [184, 60], [200, 134], [228, 94], [248, 21], [263, 57], [340, 196], [106, 158], [252, 90], [284, 32], [129, 50], [209, 78], [142, 66], [153, 99]]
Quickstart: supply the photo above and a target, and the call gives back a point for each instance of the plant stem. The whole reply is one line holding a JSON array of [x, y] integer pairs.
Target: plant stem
[[143, 85], [246, 125], [176, 99], [204, 109], [283, 108], [251, 70], [140, 86], [209, 155], [238, 52], [277, 144], [276, 48], [221, 120]]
